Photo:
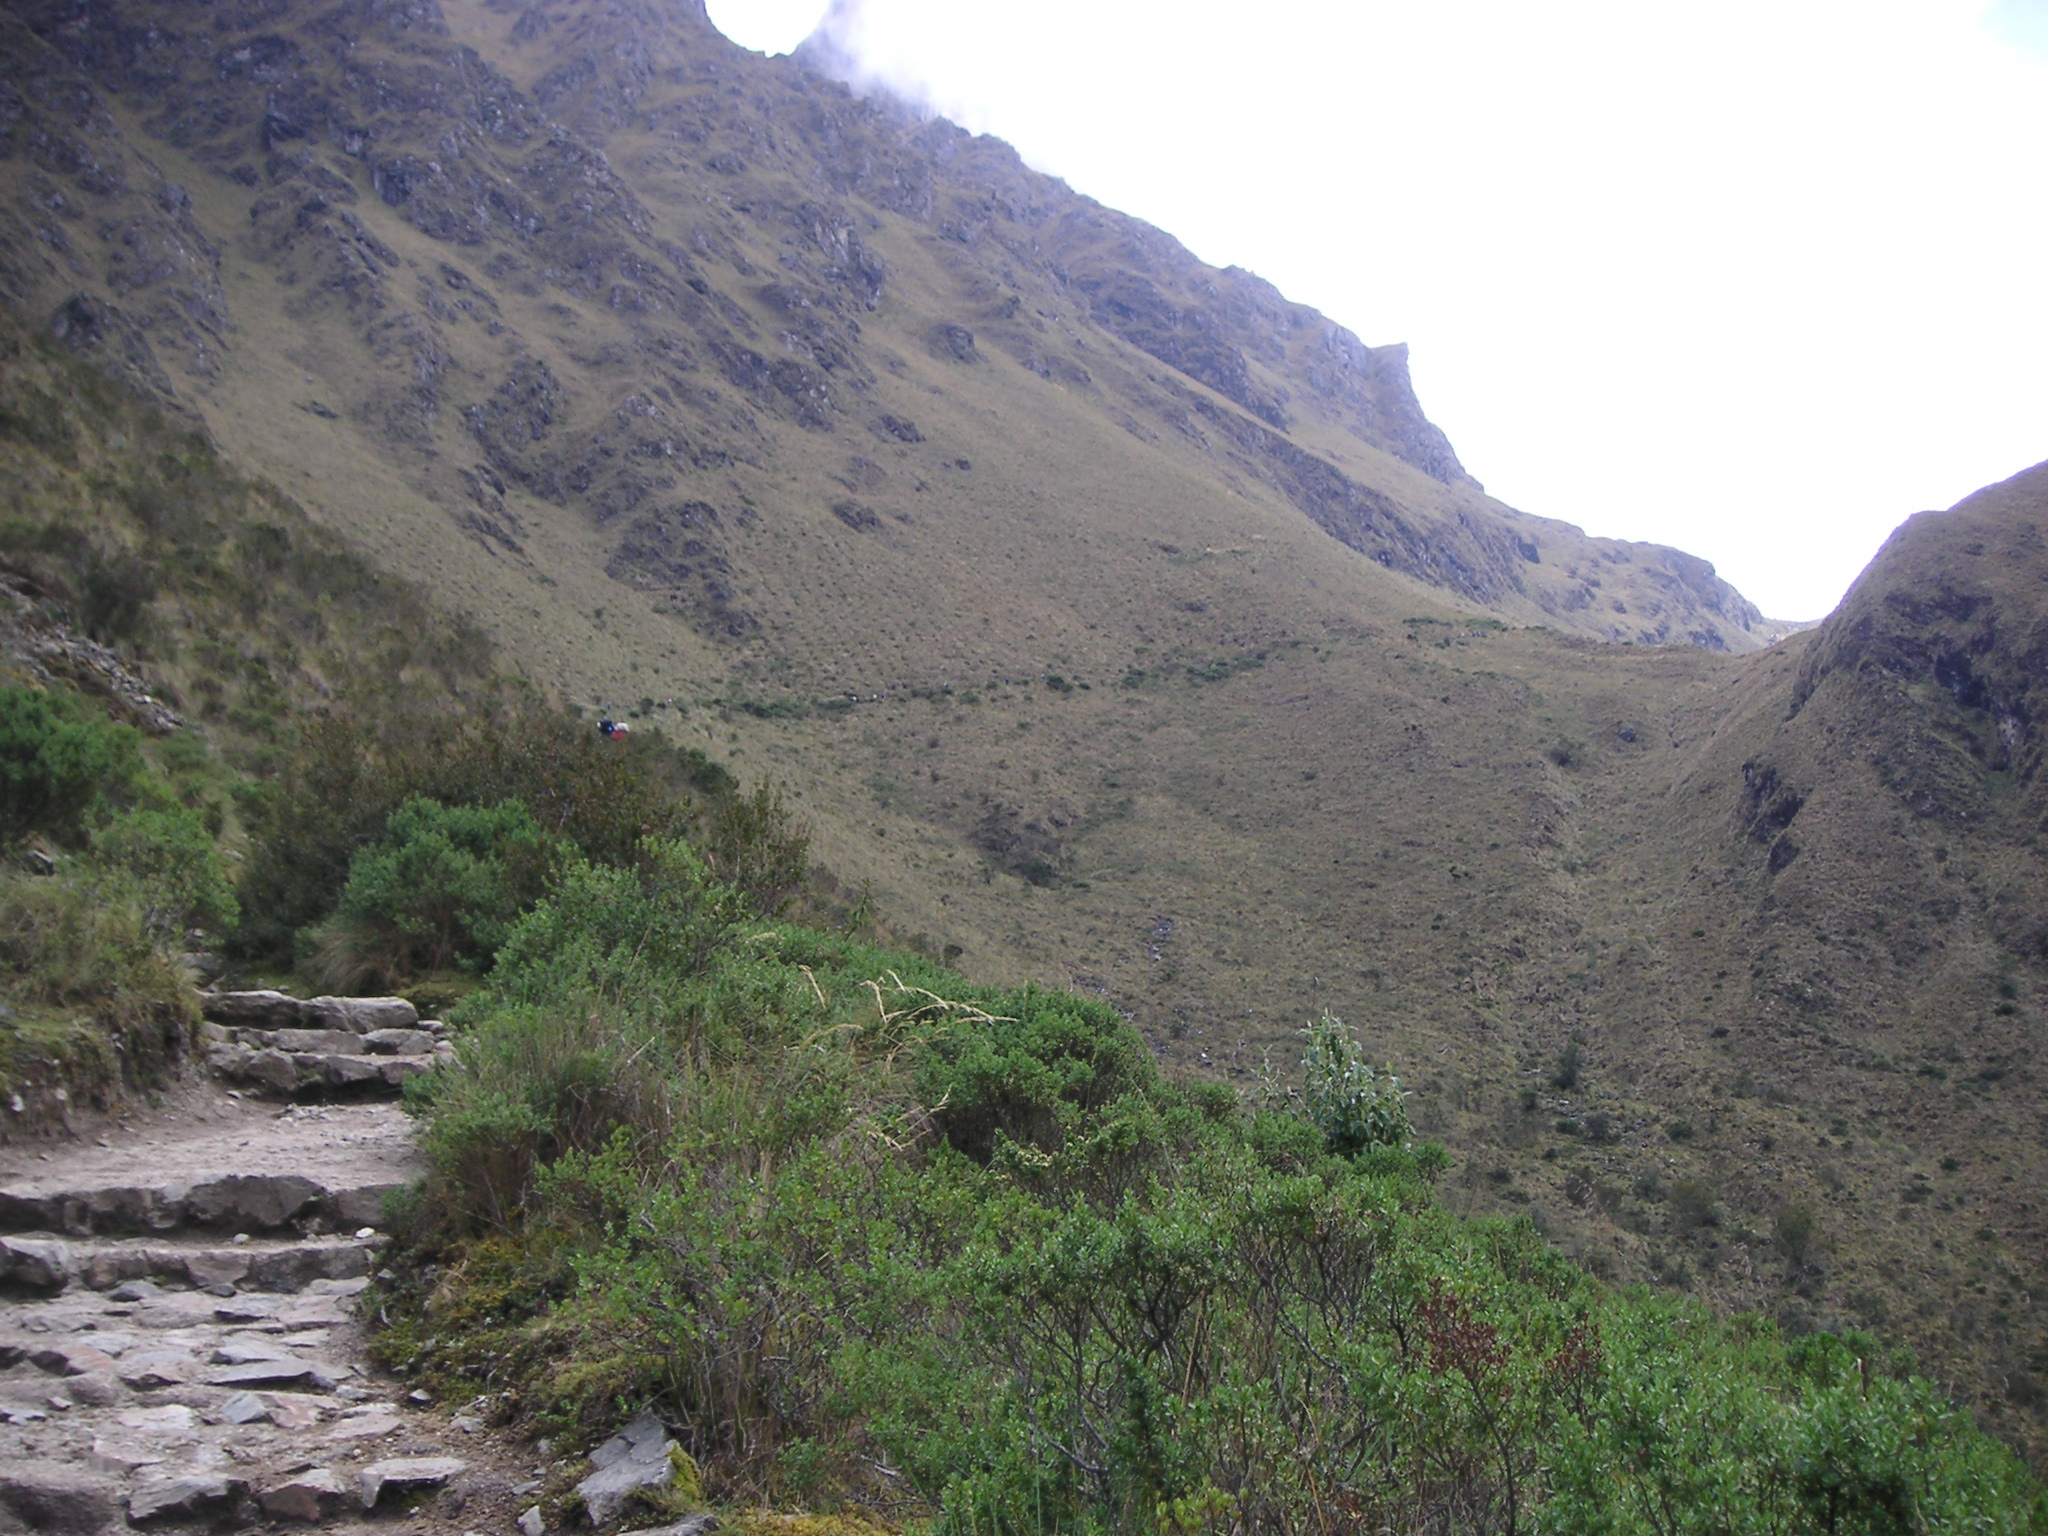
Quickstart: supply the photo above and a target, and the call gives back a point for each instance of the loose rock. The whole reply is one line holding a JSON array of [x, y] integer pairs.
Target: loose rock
[[406, 1472], [634, 1461], [191, 1494], [311, 1495]]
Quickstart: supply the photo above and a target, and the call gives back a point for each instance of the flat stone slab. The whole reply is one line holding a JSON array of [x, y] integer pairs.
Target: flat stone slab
[[365, 1426], [258, 1010], [70, 1358], [359, 1015], [147, 1370], [317, 1374]]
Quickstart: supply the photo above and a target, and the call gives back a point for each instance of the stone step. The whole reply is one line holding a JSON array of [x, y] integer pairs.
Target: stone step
[[419, 1041], [233, 1202], [48, 1264], [278, 1010], [325, 1071]]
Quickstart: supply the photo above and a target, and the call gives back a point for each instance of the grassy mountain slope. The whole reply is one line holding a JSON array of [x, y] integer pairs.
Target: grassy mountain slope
[[1125, 626]]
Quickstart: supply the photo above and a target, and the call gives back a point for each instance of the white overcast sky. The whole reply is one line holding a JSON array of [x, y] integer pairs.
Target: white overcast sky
[[1755, 279]]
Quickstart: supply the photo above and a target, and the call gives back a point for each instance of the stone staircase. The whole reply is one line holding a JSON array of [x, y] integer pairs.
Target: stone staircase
[[179, 1342], [321, 1046]]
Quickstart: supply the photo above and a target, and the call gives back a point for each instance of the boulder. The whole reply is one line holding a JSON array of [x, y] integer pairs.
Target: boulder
[[115, 1208], [398, 1042], [405, 1472], [348, 1071], [310, 1495], [360, 1015], [43, 1263], [360, 1205], [251, 1201], [634, 1462], [272, 1068], [194, 1493], [44, 1495], [251, 1010], [294, 1268]]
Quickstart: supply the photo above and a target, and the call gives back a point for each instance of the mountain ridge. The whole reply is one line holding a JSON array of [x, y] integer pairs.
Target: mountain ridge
[[834, 442]]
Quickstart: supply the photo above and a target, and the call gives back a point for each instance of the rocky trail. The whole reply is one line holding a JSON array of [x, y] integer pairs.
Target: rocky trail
[[180, 1343]]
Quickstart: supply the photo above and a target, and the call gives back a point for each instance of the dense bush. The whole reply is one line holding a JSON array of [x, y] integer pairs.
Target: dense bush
[[441, 888], [165, 859], [760, 847], [872, 1237], [93, 993], [61, 762], [348, 770]]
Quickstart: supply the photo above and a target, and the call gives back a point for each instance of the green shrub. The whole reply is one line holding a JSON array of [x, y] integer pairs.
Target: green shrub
[[1354, 1107], [347, 771], [837, 1210], [760, 847], [61, 763], [442, 887], [167, 858]]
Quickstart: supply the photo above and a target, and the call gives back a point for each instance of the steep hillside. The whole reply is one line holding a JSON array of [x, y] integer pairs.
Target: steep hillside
[[1121, 624]]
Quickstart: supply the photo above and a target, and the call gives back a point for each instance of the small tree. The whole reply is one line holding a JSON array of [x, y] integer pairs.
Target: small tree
[[1353, 1106], [761, 848], [1793, 1230]]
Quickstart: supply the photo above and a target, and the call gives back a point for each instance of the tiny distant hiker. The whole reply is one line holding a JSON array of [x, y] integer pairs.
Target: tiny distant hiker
[[613, 730]]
